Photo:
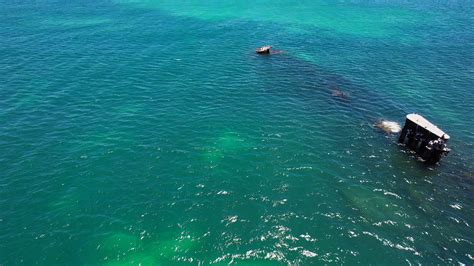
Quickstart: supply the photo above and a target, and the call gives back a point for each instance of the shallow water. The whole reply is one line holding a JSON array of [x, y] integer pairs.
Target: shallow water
[[150, 132]]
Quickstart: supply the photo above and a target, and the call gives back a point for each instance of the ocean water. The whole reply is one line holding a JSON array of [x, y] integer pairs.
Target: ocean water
[[150, 133]]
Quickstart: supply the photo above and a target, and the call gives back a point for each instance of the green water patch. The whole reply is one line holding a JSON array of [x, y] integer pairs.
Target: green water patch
[[249, 262], [257, 262], [118, 246], [228, 143], [175, 247], [127, 249], [167, 249], [350, 19], [136, 259]]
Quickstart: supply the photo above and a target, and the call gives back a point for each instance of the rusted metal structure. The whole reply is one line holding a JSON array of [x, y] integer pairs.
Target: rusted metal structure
[[424, 138]]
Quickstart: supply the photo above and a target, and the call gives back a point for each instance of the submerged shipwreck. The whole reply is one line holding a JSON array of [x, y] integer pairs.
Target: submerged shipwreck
[[425, 139], [263, 50]]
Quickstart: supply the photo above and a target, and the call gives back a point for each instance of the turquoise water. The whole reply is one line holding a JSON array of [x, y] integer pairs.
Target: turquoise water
[[149, 132]]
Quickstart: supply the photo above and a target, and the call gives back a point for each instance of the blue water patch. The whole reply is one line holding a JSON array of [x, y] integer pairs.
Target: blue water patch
[[150, 132]]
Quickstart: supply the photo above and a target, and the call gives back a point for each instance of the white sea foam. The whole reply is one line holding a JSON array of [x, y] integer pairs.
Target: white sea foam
[[308, 253], [389, 126], [456, 206]]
